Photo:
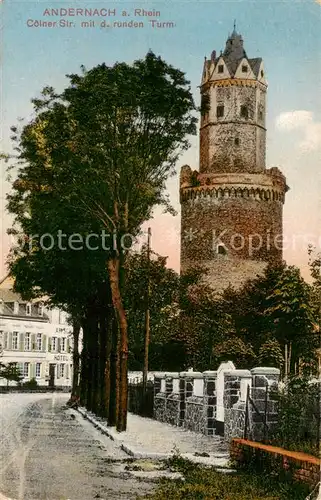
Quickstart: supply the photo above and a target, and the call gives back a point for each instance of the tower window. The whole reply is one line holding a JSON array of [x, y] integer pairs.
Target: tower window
[[262, 73], [221, 250], [237, 141], [220, 111], [220, 68], [244, 69], [244, 112], [260, 115]]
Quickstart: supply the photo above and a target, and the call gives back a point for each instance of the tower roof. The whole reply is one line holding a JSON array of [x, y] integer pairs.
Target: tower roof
[[234, 51]]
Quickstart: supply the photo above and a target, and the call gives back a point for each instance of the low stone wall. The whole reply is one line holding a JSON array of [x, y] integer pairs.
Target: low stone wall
[[172, 409], [160, 407], [214, 402], [300, 466], [194, 414]]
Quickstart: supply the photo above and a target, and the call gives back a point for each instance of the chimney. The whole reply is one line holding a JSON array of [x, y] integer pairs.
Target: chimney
[[213, 55]]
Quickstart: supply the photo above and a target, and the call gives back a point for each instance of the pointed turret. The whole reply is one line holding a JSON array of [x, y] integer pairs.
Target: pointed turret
[[234, 50]]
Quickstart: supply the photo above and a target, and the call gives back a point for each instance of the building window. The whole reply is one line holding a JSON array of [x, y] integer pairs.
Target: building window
[[262, 73], [39, 342], [25, 372], [63, 344], [244, 69], [28, 309], [260, 115], [15, 340], [27, 341], [40, 309], [54, 343], [220, 111], [38, 370], [16, 308], [237, 141], [220, 68], [1, 306], [62, 371], [244, 112]]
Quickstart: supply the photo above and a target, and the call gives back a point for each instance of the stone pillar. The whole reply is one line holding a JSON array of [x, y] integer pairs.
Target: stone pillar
[[264, 416], [235, 391], [169, 380], [194, 403], [172, 398], [265, 376], [185, 390], [157, 384], [210, 401], [222, 369], [160, 398]]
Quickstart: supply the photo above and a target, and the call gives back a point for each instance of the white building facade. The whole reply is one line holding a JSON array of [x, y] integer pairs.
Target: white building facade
[[38, 339]]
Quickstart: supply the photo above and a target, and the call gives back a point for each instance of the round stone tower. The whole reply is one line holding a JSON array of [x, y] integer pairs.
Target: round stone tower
[[231, 209]]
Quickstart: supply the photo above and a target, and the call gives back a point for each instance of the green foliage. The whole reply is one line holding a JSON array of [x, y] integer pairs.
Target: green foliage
[[273, 311], [30, 384], [121, 127], [10, 372], [298, 416], [236, 350], [270, 354], [203, 483]]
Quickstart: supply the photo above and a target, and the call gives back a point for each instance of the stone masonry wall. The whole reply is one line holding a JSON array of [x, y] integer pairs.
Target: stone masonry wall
[[189, 400], [194, 416], [248, 229]]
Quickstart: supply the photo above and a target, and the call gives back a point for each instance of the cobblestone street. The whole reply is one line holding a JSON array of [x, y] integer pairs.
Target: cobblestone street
[[49, 452]]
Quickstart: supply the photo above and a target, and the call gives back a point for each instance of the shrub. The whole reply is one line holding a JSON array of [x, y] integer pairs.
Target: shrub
[[298, 417], [30, 384]]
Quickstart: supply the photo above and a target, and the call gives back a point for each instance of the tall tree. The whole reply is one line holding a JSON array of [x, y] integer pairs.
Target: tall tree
[[104, 149]]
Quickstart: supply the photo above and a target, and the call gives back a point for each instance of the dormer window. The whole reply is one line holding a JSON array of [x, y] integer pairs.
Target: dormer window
[[244, 112], [220, 111], [16, 308], [220, 68], [244, 68], [28, 309]]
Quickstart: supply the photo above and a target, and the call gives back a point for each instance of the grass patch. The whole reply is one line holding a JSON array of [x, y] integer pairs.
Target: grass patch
[[203, 483]]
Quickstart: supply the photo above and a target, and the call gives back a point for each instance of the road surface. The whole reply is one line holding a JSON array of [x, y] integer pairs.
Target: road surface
[[49, 452]]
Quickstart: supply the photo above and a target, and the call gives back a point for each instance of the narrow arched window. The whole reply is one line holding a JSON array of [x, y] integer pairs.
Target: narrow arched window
[[244, 111]]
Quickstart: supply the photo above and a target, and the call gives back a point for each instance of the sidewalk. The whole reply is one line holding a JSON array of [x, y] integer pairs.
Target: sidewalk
[[148, 438]]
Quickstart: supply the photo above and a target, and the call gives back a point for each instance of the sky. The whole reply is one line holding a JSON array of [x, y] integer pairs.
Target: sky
[[286, 34]]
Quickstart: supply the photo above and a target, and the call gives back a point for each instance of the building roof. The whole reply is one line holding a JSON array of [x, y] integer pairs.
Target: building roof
[[233, 54], [9, 297]]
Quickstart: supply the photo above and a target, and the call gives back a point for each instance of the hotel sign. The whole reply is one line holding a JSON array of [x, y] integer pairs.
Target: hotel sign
[[61, 357]]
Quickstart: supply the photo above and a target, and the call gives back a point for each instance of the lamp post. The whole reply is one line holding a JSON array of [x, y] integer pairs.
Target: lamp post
[[147, 315]]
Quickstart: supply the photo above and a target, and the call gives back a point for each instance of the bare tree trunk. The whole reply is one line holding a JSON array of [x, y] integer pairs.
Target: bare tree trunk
[[103, 409], [286, 359], [75, 360], [84, 366], [114, 269], [113, 372], [147, 318]]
